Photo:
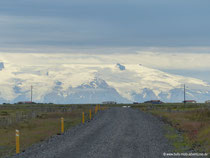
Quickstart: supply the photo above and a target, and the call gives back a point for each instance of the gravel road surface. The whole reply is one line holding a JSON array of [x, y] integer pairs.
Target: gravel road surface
[[114, 133]]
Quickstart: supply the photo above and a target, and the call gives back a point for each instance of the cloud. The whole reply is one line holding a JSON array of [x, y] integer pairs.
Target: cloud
[[63, 23], [157, 60]]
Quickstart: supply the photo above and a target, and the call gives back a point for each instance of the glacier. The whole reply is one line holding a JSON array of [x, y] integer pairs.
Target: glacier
[[95, 83]]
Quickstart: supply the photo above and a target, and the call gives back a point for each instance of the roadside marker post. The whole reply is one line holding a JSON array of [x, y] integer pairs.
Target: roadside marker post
[[99, 108], [90, 113], [95, 109], [62, 125], [83, 117], [17, 134]]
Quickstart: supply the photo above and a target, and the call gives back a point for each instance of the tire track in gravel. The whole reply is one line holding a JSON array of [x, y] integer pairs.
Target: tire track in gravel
[[114, 133]]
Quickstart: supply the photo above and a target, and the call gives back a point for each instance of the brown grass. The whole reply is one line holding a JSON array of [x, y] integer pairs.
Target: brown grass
[[32, 131], [194, 123]]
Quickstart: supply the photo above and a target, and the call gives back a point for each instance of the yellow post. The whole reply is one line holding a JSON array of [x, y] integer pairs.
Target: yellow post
[[90, 113], [83, 117], [62, 125], [99, 107], [17, 141], [95, 109]]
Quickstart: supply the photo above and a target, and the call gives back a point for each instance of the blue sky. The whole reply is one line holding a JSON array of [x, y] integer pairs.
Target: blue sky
[[101, 26]]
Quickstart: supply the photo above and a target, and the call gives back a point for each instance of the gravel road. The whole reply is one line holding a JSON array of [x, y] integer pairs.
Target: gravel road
[[114, 133]]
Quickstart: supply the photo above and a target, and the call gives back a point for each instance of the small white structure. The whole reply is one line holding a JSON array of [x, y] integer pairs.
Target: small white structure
[[126, 106]]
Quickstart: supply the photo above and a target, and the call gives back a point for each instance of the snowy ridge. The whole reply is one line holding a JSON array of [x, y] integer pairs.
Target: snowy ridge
[[94, 83]]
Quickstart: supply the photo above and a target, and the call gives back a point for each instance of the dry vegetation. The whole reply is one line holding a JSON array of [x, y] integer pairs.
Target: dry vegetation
[[36, 123], [192, 121], [39, 122]]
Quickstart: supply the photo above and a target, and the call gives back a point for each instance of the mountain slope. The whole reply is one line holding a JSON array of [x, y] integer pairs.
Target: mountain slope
[[81, 83]]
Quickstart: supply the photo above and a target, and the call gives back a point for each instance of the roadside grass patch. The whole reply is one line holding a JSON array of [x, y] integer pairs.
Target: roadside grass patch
[[4, 113], [180, 142], [204, 138], [192, 121], [33, 130]]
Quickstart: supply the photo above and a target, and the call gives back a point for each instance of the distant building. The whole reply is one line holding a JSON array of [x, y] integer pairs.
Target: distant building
[[135, 103], [26, 102], [207, 102], [189, 101], [6, 103], [109, 102], [154, 102]]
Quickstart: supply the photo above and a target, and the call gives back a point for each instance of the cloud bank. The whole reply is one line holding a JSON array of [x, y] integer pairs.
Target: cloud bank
[[182, 61], [63, 23]]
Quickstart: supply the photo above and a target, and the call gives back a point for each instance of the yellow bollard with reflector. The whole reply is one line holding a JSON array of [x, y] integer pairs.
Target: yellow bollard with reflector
[[90, 113], [83, 117], [62, 125], [17, 134]]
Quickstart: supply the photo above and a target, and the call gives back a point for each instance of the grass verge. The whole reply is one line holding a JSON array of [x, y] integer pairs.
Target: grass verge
[[188, 126], [46, 124]]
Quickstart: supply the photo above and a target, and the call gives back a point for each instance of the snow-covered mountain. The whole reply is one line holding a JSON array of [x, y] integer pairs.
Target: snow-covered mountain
[[1, 66], [89, 83]]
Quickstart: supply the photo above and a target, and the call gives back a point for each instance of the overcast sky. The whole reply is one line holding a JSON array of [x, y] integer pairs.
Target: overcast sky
[[112, 23], [107, 27]]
